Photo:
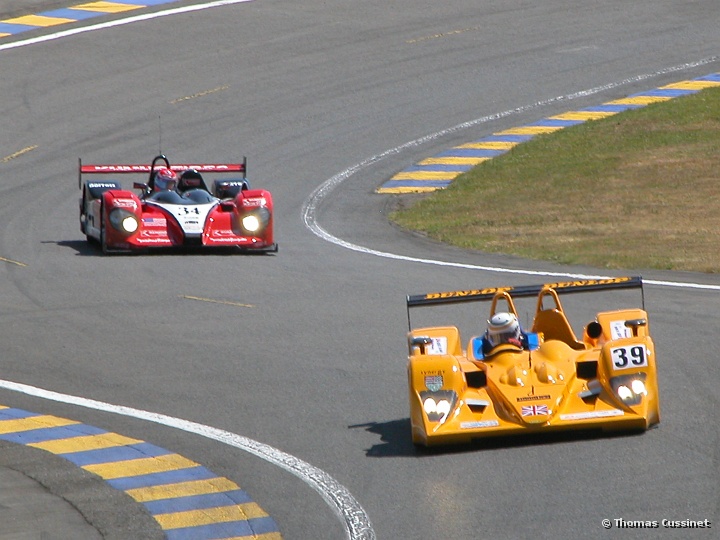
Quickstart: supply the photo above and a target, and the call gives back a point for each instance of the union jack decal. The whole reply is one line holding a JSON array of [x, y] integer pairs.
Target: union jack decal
[[534, 410]]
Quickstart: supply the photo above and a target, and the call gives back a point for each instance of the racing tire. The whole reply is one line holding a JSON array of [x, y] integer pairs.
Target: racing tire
[[103, 239]]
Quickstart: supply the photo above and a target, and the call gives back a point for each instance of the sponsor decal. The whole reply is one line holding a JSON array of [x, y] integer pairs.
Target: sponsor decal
[[155, 222], [254, 202], [533, 398], [470, 293], [584, 282], [433, 382], [124, 203], [461, 294], [92, 185], [137, 168], [618, 330], [228, 183], [534, 410], [147, 233], [479, 424], [592, 414], [437, 346], [153, 241], [116, 168]]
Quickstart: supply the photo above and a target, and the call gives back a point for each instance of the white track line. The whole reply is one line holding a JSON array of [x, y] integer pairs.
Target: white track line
[[119, 22], [357, 523], [312, 203]]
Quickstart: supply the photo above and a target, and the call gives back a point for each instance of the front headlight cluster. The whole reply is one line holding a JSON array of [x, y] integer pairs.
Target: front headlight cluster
[[630, 388], [123, 221], [255, 221], [438, 405]]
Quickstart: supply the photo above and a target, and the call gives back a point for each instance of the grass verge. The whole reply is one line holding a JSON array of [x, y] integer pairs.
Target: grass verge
[[635, 190]]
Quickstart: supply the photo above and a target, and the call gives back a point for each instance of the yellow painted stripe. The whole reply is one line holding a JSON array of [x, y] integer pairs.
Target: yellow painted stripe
[[84, 443], [2, 34], [399, 190], [425, 175], [107, 7], [453, 161], [639, 100], [583, 115], [490, 145], [182, 489], [38, 20], [196, 518], [530, 130], [137, 467], [691, 85], [34, 422]]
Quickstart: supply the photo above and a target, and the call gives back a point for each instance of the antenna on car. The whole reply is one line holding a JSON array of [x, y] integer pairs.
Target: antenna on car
[[159, 134]]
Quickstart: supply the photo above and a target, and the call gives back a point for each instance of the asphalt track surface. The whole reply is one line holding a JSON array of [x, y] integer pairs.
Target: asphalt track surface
[[304, 350]]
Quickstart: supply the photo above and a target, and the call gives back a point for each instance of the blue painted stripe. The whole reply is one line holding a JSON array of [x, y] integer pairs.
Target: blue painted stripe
[[162, 478], [250, 528], [197, 502], [230, 529], [438, 167], [74, 14], [667, 92], [7, 414], [709, 77], [51, 434], [508, 138], [116, 453], [556, 122], [613, 108], [7, 28], [471, 152]]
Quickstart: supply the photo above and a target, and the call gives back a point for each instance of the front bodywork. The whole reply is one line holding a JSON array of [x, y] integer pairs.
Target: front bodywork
[[232, 215], [606, 380]]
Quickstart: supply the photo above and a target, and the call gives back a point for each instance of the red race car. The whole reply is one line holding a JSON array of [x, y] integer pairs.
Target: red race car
[[175, 208]]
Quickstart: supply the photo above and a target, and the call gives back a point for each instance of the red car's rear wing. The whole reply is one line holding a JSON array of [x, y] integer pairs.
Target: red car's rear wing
[[144, 168], [478, 295]]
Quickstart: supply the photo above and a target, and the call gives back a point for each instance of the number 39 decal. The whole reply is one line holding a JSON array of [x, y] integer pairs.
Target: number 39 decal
[[630, 356]]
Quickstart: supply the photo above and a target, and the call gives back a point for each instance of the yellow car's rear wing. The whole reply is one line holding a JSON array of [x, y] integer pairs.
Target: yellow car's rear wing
[[479, 295]]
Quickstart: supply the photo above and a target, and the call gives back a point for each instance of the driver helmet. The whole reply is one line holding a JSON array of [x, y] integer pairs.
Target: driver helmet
[[503, 328], [165, 180]]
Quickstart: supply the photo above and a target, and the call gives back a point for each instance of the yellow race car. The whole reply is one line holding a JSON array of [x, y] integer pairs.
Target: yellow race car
[[508, 381]]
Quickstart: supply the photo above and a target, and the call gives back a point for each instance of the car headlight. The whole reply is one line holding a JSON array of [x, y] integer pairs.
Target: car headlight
[[630, 388], [624, 393], [123, 221], [438, 405], [638, 387], [251, 223], [255, 221]]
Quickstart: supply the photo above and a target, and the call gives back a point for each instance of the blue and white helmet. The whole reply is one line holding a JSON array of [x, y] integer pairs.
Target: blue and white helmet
[[503, 327]]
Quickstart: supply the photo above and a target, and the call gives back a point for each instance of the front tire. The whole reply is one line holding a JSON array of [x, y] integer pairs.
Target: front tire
[[103, 234]]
